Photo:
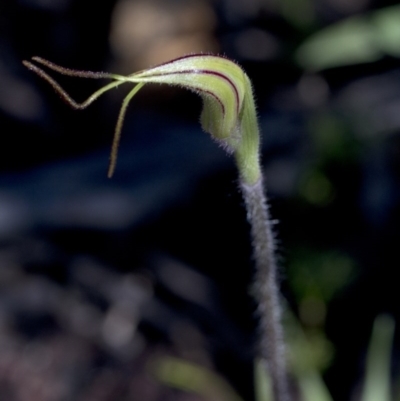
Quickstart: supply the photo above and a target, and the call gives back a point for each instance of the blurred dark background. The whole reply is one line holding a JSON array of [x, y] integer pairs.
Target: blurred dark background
[[102, 280]]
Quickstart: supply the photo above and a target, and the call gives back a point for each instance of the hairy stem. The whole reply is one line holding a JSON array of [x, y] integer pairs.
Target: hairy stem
[[265, 288]]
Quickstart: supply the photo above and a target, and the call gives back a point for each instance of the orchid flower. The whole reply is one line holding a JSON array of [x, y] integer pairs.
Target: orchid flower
[[228, 113], [229, 116]]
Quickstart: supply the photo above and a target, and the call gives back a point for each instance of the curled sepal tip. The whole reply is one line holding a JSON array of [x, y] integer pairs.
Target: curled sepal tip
[[228, 113]]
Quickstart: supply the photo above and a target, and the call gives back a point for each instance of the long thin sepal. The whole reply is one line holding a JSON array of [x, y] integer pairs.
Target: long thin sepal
[[64, 95], [118, 128]]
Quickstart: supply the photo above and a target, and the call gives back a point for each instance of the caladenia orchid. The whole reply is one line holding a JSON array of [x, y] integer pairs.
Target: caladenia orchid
[[229, 116]]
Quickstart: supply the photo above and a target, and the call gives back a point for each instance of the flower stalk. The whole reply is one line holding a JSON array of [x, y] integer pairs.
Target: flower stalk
[[229, 116], [265, 289]]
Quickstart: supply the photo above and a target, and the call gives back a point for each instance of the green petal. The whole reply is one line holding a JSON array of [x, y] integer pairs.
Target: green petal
[[220, 82]]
